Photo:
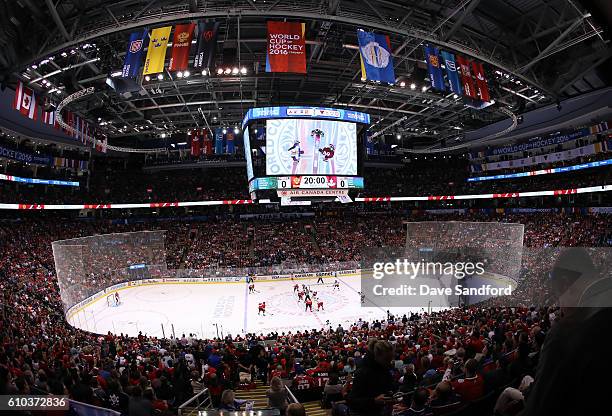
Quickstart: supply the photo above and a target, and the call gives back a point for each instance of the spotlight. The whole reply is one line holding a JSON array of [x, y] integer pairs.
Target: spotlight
[[413, 86], [424, 88], [243, 71], [220, 71], [399, 136], [236, 130], [160, 76], [215, 118], [163, 135], [147, 78], [186, 74], [255, 131], [402, 84], [203, 72], [228, 71], [455, 96], [224, 131], [235, 71], [179, 74]]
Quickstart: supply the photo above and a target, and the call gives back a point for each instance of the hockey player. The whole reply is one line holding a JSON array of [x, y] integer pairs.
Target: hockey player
[[336, 285], [117, 298], [300, 296], [328, 152], [296, 288], [262, 308], [295, 151], [320, 280], [320, 305], [252, 288], [308, 304]]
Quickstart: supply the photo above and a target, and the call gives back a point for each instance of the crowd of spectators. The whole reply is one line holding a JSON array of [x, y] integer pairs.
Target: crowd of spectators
[[404, 365]]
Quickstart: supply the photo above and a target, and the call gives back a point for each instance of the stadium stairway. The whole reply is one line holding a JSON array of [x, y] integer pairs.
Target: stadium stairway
[[258, 395]]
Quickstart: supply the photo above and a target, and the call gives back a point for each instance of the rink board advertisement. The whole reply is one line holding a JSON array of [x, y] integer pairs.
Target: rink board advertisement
[[311, 147]]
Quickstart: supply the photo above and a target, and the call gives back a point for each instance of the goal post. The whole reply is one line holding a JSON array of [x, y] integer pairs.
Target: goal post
[[112, 300]]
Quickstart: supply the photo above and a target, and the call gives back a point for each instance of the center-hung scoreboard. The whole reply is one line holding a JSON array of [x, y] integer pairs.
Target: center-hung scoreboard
[[298, 154]]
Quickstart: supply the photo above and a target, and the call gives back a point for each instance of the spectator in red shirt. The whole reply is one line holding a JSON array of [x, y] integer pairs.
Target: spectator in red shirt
[[471, 387]]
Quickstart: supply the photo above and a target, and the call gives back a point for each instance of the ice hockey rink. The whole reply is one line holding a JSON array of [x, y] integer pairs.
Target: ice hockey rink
[[216, 309]]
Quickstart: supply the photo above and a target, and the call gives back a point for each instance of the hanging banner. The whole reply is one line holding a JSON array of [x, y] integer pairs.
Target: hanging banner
[[466, 77], [181, 44], [481, 81], [25, 101], [432, 57], [156, 54], [229, 143], [376, 57], [206, 142], [133, 57], [286, 47], [207, 45], [451, 72], [195, 143], [218, 141]]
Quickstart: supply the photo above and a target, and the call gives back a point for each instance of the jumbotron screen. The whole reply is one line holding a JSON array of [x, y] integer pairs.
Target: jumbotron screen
[[311, 147]]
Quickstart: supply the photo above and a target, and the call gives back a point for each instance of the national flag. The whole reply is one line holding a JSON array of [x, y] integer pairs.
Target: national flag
[[466, 77], [156, 54], [181, 43], [48, 116], [25, 101], [286, 47], [481, 81], [133, 56], [451, 72], [207, 45], [376, 57], [101, 143], [432, 56]]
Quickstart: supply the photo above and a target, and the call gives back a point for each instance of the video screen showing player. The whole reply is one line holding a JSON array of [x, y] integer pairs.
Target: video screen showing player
[[311, 147]]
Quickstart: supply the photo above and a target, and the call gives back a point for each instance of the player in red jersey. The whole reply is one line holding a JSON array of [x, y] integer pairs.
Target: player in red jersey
[[300, 295], [262, 308], [320, 305], [296, 287], [308, 304], [252, 288]]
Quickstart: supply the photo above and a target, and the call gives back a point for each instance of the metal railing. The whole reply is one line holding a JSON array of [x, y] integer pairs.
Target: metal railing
[[197, 403], [292, 398]]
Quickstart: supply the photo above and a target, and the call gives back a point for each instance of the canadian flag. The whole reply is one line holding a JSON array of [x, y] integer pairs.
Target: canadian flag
[[25, 101]]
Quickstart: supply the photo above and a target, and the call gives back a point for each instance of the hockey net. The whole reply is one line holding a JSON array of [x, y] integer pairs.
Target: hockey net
[[111, 300]]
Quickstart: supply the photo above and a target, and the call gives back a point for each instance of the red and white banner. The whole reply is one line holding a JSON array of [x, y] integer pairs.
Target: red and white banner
[[181, 44], [297, 192], [466, 77], [481, 81], [286, 47], [25, 101], [49, 118], [195, 143]]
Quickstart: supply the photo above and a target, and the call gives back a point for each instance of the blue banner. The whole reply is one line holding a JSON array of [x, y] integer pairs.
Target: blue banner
[[229, 143], [305, 112], [451, 72], [133, 57], [218, 141], [37, 181], [37, 159], [432, 57], [563, 169], [376, 57]]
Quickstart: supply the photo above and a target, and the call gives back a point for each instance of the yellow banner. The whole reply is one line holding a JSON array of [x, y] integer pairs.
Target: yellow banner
[[156, 55]]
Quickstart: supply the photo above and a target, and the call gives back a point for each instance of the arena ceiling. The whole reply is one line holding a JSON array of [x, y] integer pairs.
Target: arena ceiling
[[536, 52]]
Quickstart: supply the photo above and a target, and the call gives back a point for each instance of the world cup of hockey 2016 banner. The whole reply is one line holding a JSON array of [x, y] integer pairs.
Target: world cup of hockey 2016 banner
[[131, 65], [481, 81], [376, 57], [181, 43], [452, 73], [286, 47], [432, 56], [157, 50], [466, 77], [207, 45]]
